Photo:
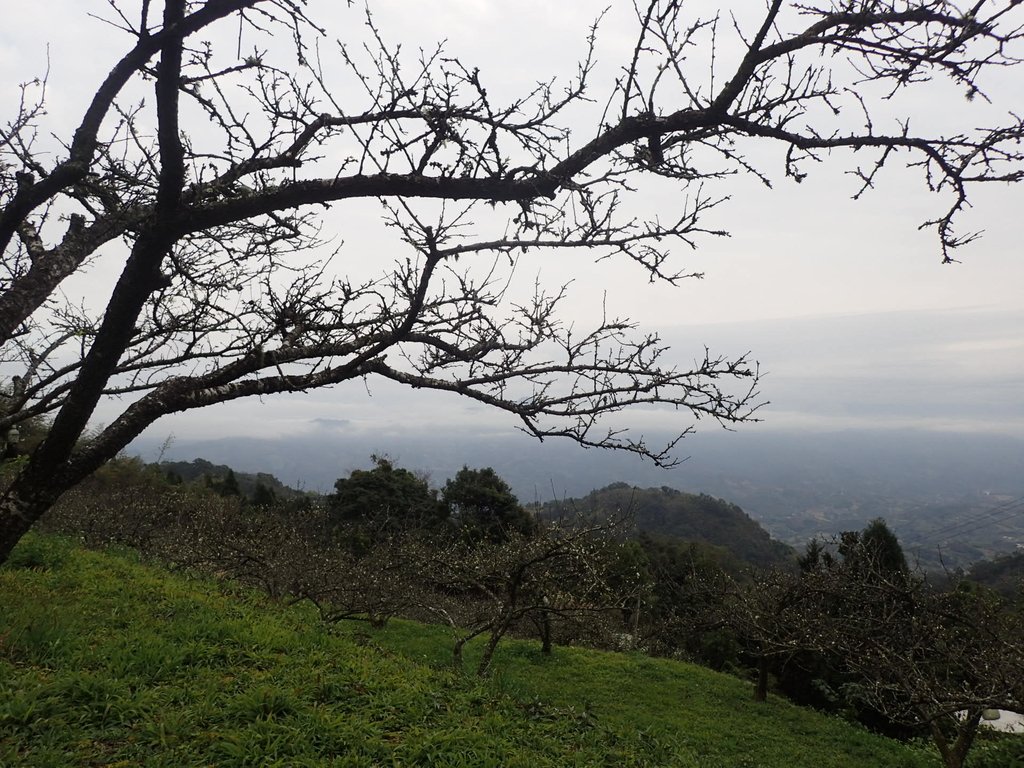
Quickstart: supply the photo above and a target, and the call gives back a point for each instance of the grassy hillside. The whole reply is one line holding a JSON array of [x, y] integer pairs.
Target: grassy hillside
[[108, 661]]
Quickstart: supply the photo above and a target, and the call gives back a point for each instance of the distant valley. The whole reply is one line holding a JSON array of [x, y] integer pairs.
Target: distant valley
[[950, 497]]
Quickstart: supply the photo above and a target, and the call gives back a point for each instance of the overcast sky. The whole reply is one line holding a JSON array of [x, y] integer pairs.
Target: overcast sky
[[844, 303]]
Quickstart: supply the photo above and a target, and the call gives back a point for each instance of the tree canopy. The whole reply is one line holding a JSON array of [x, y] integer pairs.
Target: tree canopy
[[484, 505], [208, 195], [387, 497]]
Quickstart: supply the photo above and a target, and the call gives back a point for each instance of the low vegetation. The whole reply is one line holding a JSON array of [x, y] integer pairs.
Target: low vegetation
[[105, 660]]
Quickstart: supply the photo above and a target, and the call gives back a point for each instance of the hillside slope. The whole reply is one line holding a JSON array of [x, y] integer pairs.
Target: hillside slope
[[106, 661]]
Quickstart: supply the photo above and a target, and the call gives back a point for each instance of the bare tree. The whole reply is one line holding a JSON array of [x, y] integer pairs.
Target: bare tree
[[210, 196], [302, 556], [366, 572], [563, 570], [921, 657], [776, 617], [924, 657]]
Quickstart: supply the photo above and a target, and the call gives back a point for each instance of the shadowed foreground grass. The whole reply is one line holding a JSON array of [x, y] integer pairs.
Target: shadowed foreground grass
[[108, 661]]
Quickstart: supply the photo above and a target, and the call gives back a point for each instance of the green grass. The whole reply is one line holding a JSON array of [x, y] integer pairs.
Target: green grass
[[105, 660]]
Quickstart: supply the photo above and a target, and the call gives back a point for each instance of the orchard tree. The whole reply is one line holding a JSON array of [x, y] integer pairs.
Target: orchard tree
[[563, 569], [920, 657], [204, 172]]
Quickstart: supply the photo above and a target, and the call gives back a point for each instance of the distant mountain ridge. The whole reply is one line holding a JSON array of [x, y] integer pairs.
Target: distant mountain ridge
[[1004, 574]]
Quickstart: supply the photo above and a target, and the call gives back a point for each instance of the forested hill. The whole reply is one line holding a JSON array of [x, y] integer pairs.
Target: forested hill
[[246, 483], [702, 518], [1004, 574]]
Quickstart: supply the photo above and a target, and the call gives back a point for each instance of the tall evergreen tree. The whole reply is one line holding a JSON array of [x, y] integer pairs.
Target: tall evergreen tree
[[484, 505], [387, 497], [875, 549]]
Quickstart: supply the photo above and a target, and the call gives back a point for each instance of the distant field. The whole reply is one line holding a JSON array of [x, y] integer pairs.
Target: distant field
[[108, 661]]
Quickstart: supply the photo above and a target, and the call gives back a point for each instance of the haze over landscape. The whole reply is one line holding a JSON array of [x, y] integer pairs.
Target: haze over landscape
[[912, 416], [855, 325]]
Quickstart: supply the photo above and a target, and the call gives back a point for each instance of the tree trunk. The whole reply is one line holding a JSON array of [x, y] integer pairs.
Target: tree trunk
[[52, 469], [15, 520], [545, 633], [18, 513], [497, 632], [492, 643], [955, 755], [457, 652], [761, 689]]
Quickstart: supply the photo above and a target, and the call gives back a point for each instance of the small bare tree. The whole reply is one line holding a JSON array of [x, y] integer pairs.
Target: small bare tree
[[367, 572], [562, 569], [776, 617], [209, 197]]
